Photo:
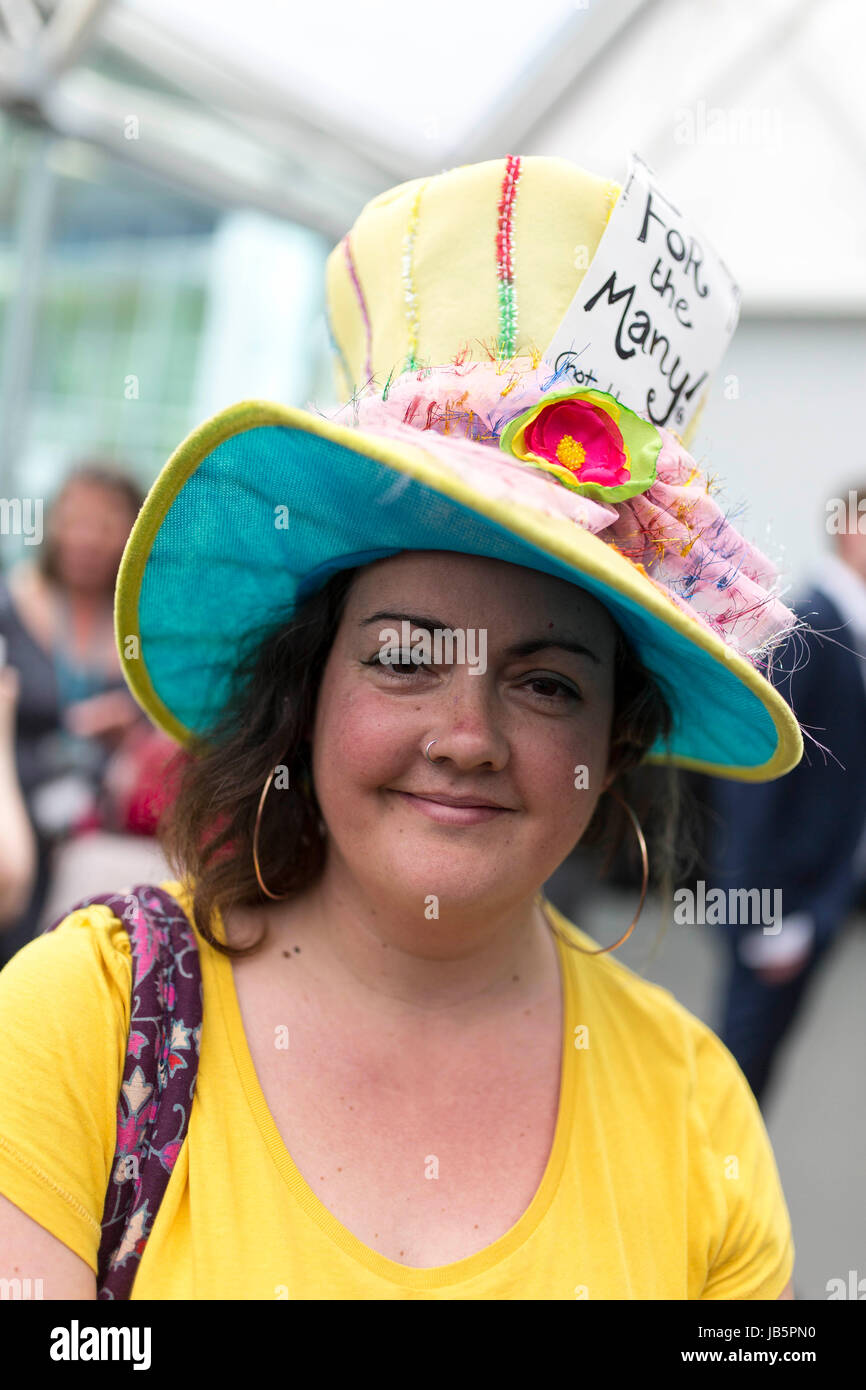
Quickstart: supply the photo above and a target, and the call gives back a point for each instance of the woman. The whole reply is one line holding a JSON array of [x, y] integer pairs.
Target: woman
[[74, 708], [65, 601], [17, 841], [416, 1078]]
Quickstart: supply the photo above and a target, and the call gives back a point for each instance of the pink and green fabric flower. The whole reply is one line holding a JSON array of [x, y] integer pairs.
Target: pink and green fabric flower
[[589, 441]]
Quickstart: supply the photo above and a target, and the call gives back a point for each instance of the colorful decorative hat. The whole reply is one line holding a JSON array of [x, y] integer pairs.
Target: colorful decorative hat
[[457, 435]]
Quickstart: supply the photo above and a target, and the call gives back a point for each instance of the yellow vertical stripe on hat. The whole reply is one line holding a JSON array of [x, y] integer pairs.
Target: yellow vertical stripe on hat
[[455, 260], [378, 238], [559, 211]]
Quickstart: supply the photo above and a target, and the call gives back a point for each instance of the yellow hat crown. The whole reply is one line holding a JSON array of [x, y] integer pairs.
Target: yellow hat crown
[[482, 260]]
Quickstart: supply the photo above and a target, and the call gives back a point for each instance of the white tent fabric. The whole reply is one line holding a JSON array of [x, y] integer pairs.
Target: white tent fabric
[[754, 111]]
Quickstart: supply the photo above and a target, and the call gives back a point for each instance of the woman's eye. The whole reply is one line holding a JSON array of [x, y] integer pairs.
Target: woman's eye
[[402, 668], [556, 690], [561, 689]]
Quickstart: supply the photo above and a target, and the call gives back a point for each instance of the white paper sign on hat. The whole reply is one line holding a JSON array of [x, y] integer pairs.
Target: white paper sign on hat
[[655, 312]]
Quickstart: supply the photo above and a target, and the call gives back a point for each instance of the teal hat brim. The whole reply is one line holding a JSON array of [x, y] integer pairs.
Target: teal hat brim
[[212, 556]]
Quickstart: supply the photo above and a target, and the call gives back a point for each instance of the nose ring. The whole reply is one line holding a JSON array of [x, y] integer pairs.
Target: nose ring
[[427, 750]]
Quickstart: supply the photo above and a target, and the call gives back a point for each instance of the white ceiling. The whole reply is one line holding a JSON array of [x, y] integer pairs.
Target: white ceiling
[[427, 73], [753, 114]]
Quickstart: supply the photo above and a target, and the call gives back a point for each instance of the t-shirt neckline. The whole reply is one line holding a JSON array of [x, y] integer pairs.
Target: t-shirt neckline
[[406, 1276]]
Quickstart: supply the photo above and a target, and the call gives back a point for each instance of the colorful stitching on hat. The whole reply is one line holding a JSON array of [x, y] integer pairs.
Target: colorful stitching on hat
[[674, 528], [361, 301], [504, 257], [408, 284]]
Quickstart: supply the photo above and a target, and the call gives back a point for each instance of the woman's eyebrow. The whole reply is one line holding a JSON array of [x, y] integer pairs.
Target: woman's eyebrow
[[524, 648]]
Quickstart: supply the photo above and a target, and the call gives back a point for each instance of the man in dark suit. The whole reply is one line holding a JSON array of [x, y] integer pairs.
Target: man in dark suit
[[802, 834]]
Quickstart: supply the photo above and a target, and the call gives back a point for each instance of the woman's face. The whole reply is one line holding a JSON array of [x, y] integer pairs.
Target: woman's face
[[530, 732], [90, 524]]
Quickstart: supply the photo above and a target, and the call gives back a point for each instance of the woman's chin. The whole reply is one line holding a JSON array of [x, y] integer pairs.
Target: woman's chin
[[430, 882]]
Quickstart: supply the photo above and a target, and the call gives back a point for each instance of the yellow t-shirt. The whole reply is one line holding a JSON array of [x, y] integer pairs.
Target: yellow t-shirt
[[661, 1182]]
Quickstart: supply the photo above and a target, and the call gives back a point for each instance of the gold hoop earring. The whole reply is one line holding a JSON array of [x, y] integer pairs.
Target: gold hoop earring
[[600, 950], [305, 785], [276, 896]]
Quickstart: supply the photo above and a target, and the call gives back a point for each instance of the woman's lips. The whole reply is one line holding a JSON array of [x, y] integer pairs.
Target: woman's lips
[[452, 815]]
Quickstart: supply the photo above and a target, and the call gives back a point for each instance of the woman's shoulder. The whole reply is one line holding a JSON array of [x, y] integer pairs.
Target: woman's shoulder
[[668, 1062], [649, 1014], [84, 958], [10, 588], [65, 1003], [25, 583], [75, 978], [107, 925], [93, 939], [31, 596]]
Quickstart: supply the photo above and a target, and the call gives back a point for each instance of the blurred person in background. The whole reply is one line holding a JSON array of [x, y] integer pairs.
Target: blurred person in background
[[17, 841], [804, 834], [74, 709]]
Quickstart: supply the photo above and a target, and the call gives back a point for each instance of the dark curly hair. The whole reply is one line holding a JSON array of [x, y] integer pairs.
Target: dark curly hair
[[206, 831]]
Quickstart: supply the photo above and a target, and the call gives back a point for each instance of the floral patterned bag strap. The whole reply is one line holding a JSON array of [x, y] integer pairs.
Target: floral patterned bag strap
[[159, 1075]]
